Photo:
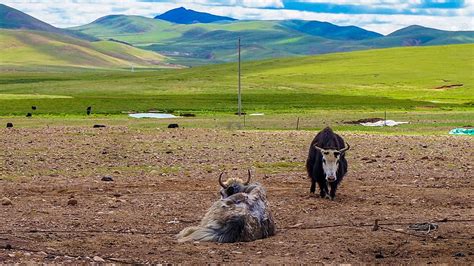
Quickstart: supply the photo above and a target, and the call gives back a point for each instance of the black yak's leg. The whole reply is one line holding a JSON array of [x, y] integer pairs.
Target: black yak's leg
[[313, 186], [332, 194], [323, 188]]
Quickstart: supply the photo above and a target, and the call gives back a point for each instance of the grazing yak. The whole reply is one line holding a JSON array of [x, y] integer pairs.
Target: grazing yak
[[326, 163], [241, 215]]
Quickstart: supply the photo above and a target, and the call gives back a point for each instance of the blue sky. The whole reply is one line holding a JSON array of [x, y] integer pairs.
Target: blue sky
[[383, 16]]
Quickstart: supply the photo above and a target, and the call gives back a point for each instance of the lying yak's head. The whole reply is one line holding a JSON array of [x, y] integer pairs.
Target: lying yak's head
[[331, 161], [233, 185]]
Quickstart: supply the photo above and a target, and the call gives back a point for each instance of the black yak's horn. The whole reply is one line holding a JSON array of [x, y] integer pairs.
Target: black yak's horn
[[318, 148], [220, 181], [248, 180], [346, 148]]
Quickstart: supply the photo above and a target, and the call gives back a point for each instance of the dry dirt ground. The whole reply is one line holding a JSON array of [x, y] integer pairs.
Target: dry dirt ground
[[164, 180]]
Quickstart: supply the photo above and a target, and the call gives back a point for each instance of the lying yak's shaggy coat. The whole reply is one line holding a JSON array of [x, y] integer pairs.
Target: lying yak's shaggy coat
[[241, 217]]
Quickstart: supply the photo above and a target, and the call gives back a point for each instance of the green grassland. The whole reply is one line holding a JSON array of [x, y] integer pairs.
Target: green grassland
[[21, 49], [334, 88]]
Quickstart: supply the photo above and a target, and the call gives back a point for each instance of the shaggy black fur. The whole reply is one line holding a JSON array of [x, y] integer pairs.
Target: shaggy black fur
[[325, 139]]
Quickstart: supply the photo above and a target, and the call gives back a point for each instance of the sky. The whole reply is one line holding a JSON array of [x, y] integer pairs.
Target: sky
[[383, 16]]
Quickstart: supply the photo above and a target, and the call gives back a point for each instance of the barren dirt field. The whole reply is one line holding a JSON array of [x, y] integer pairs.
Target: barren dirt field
[[165, 179]]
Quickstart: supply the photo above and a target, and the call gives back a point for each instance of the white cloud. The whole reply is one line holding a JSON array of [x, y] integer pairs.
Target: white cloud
[[70, 13]]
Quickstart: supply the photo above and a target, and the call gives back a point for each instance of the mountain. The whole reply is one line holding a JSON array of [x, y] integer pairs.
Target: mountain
[[205, 43], [187, 16], [215, 42], [25, 49], [11, 18], [330, 31], [419, 35]]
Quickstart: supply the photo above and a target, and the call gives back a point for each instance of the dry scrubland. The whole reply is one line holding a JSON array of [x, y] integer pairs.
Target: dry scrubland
[[164, 180]]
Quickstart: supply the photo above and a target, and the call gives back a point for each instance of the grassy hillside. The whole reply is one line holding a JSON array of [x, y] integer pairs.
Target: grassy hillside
[[11, 18], [415, 78], [204, 43], [21, 49]]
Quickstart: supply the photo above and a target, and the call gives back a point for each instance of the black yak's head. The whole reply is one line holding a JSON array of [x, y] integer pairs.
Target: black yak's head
[[330, 161], [233, 185]]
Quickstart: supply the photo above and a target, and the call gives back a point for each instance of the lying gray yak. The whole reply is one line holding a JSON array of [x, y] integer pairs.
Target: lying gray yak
[[241, 215]]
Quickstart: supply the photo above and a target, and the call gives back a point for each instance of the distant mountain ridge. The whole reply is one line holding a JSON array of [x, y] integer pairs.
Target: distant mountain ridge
[[331, 31], [188, 16], [204, 43]]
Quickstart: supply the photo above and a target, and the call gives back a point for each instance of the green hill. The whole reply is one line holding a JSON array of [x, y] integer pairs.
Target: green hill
[[37, 50], [11, 18], [411, 78], [204, 43]]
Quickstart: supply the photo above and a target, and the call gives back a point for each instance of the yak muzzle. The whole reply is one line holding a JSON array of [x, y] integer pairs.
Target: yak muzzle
[[331, 179]]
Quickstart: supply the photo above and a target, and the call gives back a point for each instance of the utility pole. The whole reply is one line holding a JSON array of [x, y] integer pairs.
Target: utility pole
[[239, 96]]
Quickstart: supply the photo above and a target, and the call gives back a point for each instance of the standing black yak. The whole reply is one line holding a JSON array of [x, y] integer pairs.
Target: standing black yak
[[242, 214], [326, 162]]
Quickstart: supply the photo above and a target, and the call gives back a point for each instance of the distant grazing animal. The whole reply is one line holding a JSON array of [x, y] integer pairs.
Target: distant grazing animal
[[89, 110], [326, 163], [28, 115], [241, 215], [33, 107], [9, 125], [173, 126]]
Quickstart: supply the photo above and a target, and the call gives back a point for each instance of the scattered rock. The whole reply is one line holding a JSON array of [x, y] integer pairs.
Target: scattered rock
[[8, 246], [424, 158], [98, 259], [107, 179], [379, 255], [72, 202], [6, 201], [459, 255], [296, 225]]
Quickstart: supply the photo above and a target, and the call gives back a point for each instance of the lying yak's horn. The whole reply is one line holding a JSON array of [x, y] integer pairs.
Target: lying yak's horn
[[345, 149], [220, 181], [248, 180]]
